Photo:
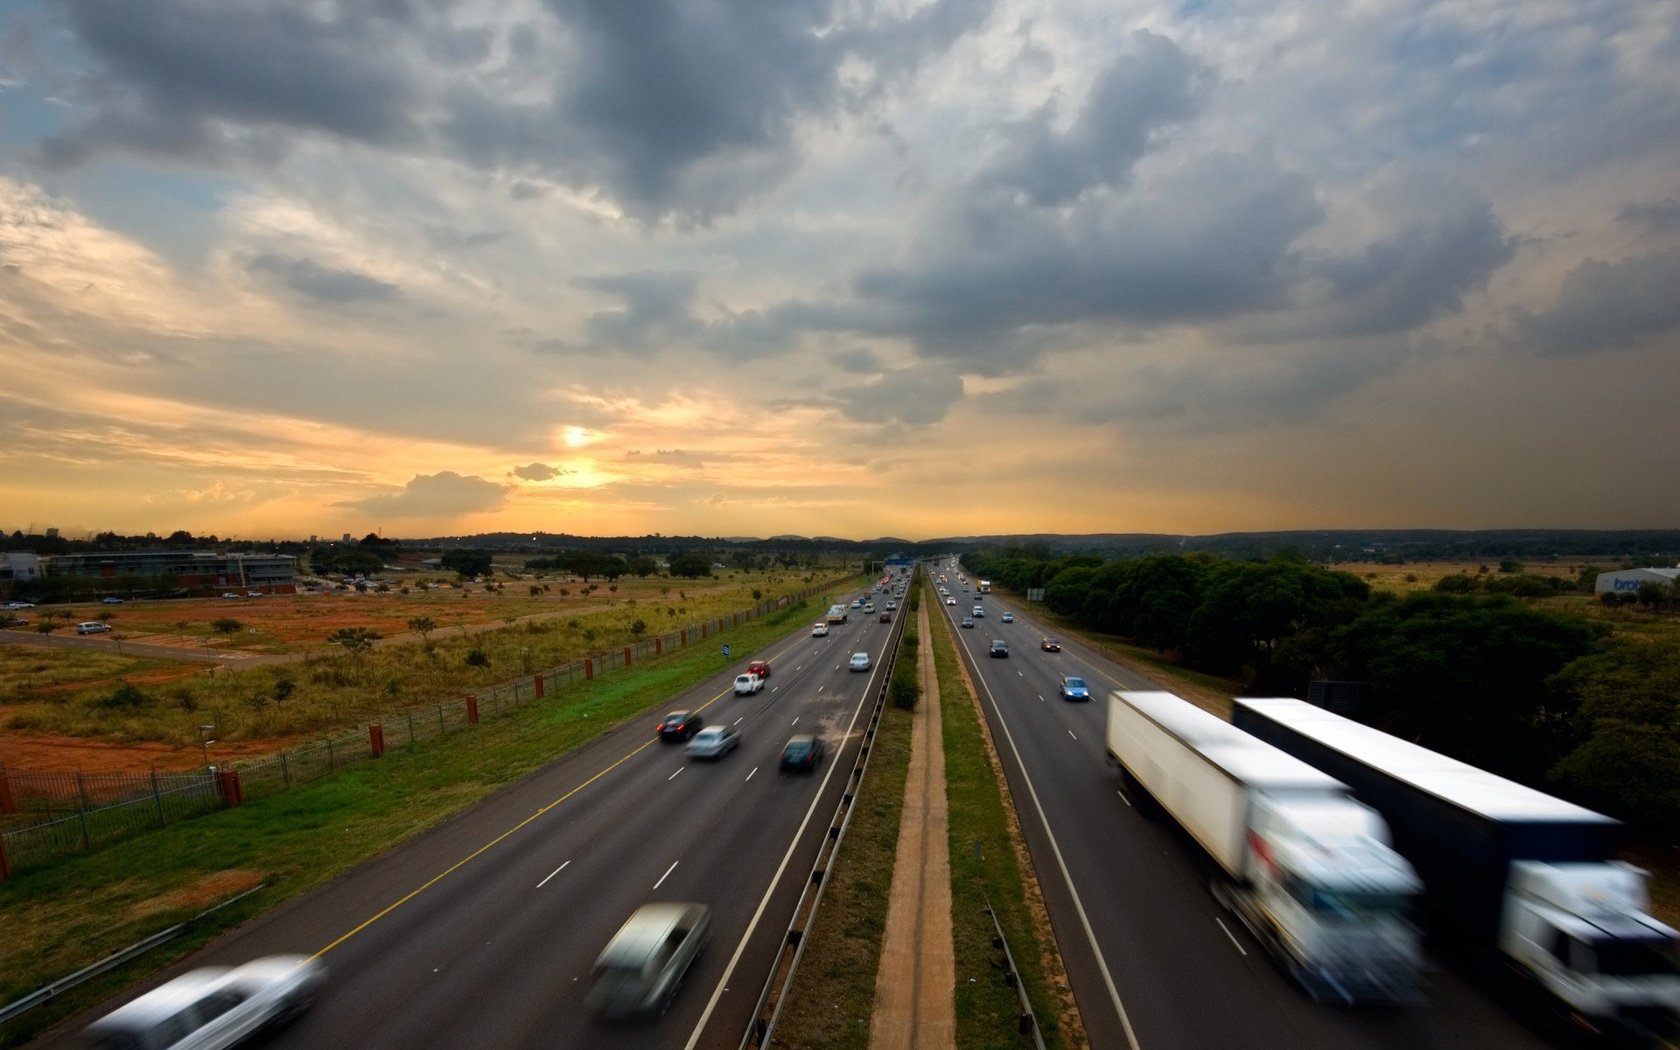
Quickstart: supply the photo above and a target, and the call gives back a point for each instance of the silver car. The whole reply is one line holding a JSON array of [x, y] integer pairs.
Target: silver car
[[714, 742], [211, 1008], [641, 968]]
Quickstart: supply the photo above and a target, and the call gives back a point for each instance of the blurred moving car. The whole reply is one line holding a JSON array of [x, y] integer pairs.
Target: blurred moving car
[[760, 668], [18, 605], [679, 726], [859, 662], [92, 627], [819, 630], [1074, 688], [802, 754], [748, 684], [999, 648], [110, 601], [1050, 645], [641, 968], [211, 1008], [714, 742]]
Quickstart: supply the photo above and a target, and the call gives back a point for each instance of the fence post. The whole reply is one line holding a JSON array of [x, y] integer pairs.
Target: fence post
[[537, 681], [472, 709], [332, 761], [285, 770], [410, 716], [81, 810], [232, 793], [376, 739], [157, 797], [589, 668], [627, 656], [5, 865], [657, 647], [682, 637], [7, 803]]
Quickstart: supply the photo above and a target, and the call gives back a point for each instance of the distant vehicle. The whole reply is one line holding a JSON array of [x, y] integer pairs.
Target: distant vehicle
[[1050, 645], [979, 610], [857, 603], [92, 627], [760, 668], [999, 648], [891, 606], [679, 725], [748, 684], [713, 742], [212, 1007], [950, 601], [985, 586], [869, 607], [229, 594], [886, 617], [253, 594], [859, 662], [1297, 856], [110, 601], [819, 630], [20, 605], [1008, 617], [1523, 878], [836, 614], [802, 754], [967, 621], [639, 971], [1074, 688]]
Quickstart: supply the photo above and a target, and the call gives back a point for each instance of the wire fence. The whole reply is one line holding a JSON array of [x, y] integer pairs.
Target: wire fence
[[46, 816]]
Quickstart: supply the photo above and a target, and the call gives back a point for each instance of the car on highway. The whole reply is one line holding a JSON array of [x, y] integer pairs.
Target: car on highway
[[748, 684], [760, 668], [217, 1006], [886, 617], [802, 753], [999, 648], [859, 662], [1074, 688], [229, 594], [892, 606], [1050, 645], [713, 742], [950, 601], [1008, 617], [19, 605], [868, 607], [819, 630], [978, 611], [110, 601], [639, 971], [967, 621], [679, 726], [92, 627]]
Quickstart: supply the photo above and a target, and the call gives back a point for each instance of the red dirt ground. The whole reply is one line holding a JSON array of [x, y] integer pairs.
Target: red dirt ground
[[49, 753]]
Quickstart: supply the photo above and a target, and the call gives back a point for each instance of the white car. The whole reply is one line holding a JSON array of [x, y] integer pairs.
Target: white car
[[20, 605], [713, 742], [950, 601], [891, 606], [819, 630], [748, 684], [859, 662], [213, 1007], [1008, 617], [979, 610], [92, 627]]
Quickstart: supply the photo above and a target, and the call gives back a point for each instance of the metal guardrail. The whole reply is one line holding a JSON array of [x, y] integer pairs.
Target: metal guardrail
[[114, 960], [770, 1000], [1027, 1021]]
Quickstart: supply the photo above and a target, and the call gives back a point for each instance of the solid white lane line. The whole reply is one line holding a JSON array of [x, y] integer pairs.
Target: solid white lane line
[[551, 875], [673, 776], [1228, 933], [667, 874]]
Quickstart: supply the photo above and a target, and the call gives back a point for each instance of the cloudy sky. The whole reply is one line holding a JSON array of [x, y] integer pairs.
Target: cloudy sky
[[844, 267]]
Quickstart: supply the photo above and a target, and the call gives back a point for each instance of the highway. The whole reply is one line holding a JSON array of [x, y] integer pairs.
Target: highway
[[1154, 962], [482, 931]]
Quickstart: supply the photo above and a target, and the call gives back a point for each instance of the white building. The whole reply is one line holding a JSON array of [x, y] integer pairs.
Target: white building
[[1627, 581]]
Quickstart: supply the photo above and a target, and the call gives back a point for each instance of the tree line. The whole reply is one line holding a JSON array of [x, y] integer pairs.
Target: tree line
[[1545, 698]]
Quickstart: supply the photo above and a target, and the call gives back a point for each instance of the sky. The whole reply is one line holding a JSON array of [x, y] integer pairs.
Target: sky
[[281, 268]]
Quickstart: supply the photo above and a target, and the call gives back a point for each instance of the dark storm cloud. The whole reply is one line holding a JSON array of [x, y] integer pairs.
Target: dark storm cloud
[[427, 495], [1151, 84], [917, 396], [178, 66], [1653, 216], [1604, 306], [320, 283], [656, 311]]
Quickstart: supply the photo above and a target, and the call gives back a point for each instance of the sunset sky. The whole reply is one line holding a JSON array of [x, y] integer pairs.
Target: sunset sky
[[274, 268]]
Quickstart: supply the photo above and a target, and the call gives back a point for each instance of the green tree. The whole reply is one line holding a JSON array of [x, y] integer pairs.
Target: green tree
[[690, 564], [643, 566], [1628, 725], [226, 625], [357, 641], [466, 564], [422, 626]]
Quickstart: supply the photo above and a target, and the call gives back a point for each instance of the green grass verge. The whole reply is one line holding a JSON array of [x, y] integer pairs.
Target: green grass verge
[[984, 867], [59, 918]]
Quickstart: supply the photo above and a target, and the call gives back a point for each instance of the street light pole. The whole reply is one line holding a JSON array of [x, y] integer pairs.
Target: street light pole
[[204, 742]]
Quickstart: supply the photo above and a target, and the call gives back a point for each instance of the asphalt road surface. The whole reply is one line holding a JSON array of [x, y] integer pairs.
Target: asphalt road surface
[[482, 932], [1155, 963]]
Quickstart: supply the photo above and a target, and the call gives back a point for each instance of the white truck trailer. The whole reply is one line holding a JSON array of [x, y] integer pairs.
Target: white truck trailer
[[1515, 874], [1305, 867]]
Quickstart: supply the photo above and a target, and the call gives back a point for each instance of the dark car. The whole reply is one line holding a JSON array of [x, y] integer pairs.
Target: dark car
[[1000, 648], [886, 617], [802, 754], [680, 725], [1050, 645]]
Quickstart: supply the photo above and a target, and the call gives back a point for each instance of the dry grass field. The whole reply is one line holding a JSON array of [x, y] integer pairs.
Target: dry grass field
[[102, 707]]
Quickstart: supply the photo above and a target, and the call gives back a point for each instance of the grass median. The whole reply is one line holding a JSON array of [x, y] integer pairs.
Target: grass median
[[57, 919]]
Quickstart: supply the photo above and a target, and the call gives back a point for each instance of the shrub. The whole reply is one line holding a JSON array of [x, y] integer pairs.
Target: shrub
[[477, 658], [905, 690], [126, 697]]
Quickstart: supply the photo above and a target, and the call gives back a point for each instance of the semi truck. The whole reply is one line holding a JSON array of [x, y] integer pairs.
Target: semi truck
[[1521, 879], [1306, 867]]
